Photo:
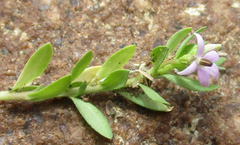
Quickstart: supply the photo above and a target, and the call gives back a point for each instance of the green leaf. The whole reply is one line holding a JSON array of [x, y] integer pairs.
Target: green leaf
[[27, 88], [75, 85], [81, 89], [157, 55], [94, 117], [200, 29], [81, 65], [116, 61], [187, 49], [189, 83], [185, 42], [115, 80], [144, 101], [39, 88], [220, 61], [88, 74], [35, 66], [221, 68], [153, 95], [177, 38], [52, 90]]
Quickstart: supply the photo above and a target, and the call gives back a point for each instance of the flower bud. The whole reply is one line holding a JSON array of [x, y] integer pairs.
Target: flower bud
[[210, 47]]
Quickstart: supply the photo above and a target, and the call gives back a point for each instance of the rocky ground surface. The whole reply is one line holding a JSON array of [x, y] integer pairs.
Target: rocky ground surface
[[103, 26]]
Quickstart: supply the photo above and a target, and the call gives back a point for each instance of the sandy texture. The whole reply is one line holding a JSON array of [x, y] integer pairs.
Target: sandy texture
[[76, 26]]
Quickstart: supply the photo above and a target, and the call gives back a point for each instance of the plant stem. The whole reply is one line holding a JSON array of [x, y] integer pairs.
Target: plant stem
[[172, 61], [134, 81], [20, 96], [71, 92]]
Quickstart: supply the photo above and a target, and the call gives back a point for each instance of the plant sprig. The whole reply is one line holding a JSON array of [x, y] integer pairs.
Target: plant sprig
[[110, 76]]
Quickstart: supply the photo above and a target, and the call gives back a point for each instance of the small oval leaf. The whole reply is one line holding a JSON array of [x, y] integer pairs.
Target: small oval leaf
[[221, 68], [188, 83], [35, 66], [94, 117], [153, 95], [157, 55], [116, 61], [88, 74], [81, 89], [144, 101], [52, 90], [220, 61], [81, 65], [177, 38], [115, 80]]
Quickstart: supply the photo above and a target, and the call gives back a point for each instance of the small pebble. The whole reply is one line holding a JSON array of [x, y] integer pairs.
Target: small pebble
[[74, 2], [43, 7], [58, 42]]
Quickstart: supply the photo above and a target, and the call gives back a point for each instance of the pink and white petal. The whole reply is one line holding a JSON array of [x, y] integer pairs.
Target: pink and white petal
[[200, 44], [212, 71], [212, 56], [190, 69], [203, 76]]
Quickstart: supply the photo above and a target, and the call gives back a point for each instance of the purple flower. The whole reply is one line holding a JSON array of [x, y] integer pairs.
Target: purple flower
[[204, 64]]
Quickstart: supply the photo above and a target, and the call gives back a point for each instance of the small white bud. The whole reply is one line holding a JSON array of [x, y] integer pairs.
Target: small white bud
[[210, 47]]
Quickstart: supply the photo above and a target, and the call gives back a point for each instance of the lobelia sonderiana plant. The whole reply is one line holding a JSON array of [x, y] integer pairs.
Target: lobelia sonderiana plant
[[111, 77]]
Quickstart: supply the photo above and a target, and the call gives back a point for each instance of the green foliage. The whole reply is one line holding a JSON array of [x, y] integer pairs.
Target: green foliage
[[221, 68], [177, 38], [153, 95], [27, 88], [52, 90], [189, 83], [144, 101], [220, 61], [81, 65], [188, 48], [94, 117], [35, 66], [115, 80], [81, 89], [157, 55], [75, 85], [181, 48], [39, 88], [116, 61], [88, 74]]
